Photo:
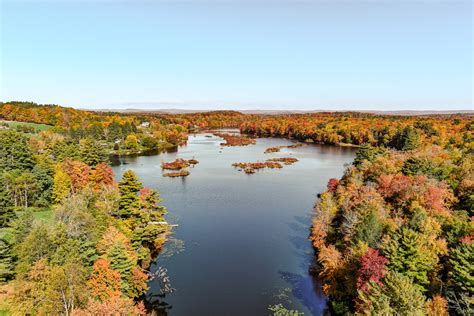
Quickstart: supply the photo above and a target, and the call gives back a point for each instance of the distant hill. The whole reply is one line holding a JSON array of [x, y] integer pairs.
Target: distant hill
[[283, 112]]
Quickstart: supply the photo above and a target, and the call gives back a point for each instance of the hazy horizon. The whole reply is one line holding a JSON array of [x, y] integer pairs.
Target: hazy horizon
[[241, 55]]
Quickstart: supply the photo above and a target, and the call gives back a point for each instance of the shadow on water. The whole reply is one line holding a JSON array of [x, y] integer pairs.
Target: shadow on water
[[117, 160], [305, 286], [307, 290], [156, 305]]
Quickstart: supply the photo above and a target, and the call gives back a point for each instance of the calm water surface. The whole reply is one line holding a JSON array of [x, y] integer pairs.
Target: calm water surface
[[245, 236]]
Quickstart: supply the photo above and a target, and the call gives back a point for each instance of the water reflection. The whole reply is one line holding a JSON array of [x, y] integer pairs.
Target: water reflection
[[117, 160]]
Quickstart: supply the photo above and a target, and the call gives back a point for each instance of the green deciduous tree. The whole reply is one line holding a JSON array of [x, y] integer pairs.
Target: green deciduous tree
[[131, 142], [62, 185]]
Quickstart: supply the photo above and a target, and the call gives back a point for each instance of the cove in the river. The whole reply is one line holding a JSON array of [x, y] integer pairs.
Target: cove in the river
[[245, 236]]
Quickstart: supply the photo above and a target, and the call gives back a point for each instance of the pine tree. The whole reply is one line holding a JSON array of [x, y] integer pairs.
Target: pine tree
[[146, 234], [121, 261], [367, 152], [414, 166], [7, 214], [6, 261], [462, 273], [396, 296], [129, 187], [15, 152], [91, 152], [149, 200], [405, 139], [409, 254]]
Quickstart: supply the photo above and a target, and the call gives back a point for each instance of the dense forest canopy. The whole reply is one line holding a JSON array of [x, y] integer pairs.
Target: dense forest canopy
[[392, 237]]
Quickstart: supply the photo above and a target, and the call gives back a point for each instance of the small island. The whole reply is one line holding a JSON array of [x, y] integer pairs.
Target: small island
[[286, 160], [179, 164], [278, 148], [235, 140], [273, 163], [182, 173], [250, 167]]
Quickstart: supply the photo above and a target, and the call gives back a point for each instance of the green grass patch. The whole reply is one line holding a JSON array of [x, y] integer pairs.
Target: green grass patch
[[36, 127], [46, 216]]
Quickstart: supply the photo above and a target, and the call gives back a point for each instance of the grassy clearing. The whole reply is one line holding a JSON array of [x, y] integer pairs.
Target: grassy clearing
[[43, 214], [37, 127], [46, 216]]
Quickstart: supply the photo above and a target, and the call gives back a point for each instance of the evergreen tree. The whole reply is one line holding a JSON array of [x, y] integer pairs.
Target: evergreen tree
[[64, 149], [367, 152], [121, 261], [149, 204], [148, 235], [7, 214], [462, 262], [91, 152], [409, 254], [7, 267], [370, 229], [396, 296], [44, 180], [15, 152], [415, 166], [129, 187], [405, 139]]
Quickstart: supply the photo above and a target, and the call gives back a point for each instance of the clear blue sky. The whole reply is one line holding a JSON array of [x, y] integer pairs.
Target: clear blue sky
[[372, 55]]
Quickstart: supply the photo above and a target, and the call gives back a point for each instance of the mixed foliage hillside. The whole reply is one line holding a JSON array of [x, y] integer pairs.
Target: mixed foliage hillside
[[115, 133], [72, 240], [394, 235]]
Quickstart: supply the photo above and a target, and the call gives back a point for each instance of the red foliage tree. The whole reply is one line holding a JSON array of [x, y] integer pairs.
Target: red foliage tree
[[332, 184], [372, 268], [433, 195]]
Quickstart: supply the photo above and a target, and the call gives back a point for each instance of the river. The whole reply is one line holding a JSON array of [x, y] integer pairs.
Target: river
[[241, 244]]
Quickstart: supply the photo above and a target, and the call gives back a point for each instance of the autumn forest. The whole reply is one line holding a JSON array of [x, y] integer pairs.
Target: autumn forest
[[392, 236]]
